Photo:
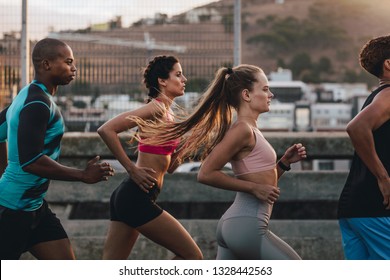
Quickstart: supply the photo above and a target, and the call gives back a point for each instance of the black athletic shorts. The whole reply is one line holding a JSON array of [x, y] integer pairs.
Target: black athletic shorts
[[131, 205], [21, 230]]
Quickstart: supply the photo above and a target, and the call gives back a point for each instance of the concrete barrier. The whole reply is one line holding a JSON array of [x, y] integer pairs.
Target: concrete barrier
[[312, 239]]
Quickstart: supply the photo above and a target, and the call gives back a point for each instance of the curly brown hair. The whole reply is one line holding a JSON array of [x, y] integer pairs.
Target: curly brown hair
[[158, 67], [373, 55]]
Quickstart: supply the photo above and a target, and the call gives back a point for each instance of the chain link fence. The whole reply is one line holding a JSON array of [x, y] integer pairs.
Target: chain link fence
[[112, 42]]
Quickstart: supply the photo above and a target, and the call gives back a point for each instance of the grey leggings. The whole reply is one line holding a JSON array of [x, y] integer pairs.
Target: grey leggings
[[248, 238]]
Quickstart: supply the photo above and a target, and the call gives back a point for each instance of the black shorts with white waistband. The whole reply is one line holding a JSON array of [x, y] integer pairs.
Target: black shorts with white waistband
[[132, 206]]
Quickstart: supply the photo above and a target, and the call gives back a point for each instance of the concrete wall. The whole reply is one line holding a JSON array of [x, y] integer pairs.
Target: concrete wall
[[304, 215]]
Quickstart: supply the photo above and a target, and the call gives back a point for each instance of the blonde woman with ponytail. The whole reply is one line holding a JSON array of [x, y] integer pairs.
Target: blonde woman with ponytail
[[210, 135]]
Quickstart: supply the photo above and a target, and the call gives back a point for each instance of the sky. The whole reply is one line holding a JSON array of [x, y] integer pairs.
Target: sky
[[57, 15]]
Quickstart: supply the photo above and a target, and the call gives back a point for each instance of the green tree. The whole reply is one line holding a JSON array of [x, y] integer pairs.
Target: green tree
[[299, 63], [324, 65], [350, 76]]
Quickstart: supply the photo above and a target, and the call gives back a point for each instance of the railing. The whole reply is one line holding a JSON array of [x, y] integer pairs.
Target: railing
[[304, 216]]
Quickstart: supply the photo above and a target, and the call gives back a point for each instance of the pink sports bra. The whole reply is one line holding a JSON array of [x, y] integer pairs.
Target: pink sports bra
[[165, 149], [261, 158]]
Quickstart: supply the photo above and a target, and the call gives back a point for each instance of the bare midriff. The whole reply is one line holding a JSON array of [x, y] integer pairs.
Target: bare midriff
[[159, 163], [267, 177]]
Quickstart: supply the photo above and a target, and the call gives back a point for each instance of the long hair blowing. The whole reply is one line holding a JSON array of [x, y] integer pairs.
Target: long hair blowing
[[206, 126]]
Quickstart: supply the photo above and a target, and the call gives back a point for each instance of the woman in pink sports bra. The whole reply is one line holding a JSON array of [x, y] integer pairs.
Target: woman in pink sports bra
[[133, 207], [243, 231]]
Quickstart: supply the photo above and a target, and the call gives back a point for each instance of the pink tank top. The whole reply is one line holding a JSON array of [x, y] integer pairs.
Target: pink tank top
[[165, 149], [261, 158]]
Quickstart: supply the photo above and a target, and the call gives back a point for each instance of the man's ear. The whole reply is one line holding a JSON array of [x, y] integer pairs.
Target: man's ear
[[46, 64], [386, 65], [245, 95]]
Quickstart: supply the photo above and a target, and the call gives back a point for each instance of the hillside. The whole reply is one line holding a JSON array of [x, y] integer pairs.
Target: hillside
[[321, 39]]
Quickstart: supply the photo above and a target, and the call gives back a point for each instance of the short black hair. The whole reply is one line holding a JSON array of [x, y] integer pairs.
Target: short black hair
[[46, 49]]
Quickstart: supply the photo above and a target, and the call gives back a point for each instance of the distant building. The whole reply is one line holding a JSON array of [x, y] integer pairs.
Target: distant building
[[357, 104], [330, 116], [203, 14], [83, 114], [279, 118], [289, 91], [340, 92], [9, 67], [284, 88], [158, 19], [281, 75]]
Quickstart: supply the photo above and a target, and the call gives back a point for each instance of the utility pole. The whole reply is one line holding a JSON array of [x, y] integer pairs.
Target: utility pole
[[24, 47], [237, 32]]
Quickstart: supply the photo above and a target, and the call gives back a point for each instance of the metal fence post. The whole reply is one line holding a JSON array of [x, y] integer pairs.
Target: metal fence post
[[25, 46], [237, 32]]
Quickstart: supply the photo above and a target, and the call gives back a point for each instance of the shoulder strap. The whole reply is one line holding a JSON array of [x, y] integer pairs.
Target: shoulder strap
[[373, 94]]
